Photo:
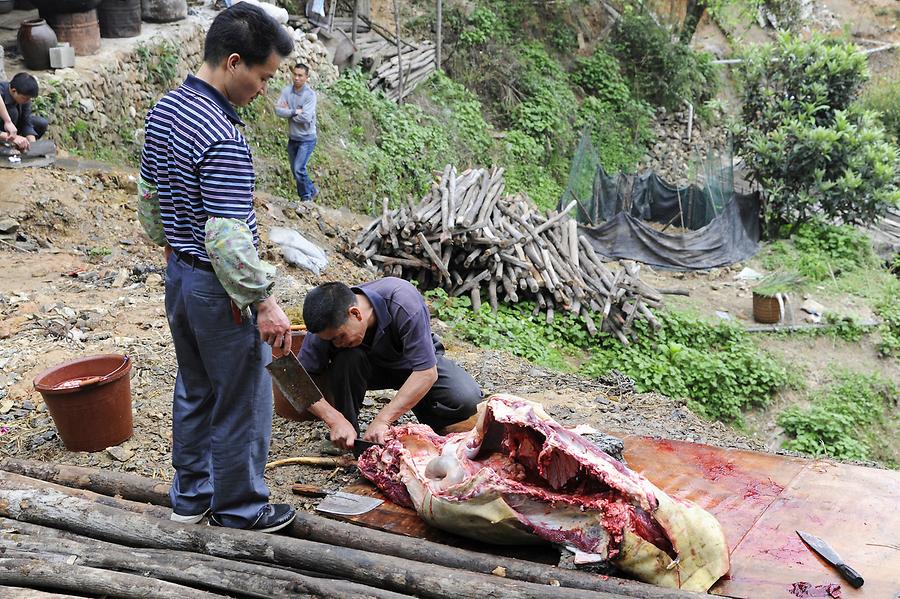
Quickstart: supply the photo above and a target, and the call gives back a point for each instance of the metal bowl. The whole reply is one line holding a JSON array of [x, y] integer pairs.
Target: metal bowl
[[55, 7]]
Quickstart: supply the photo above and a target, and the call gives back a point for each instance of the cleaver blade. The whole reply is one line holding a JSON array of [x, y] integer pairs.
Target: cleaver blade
[[294, 382]]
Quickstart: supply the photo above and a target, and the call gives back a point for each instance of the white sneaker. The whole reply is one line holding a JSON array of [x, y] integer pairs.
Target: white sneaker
[[189, 519]]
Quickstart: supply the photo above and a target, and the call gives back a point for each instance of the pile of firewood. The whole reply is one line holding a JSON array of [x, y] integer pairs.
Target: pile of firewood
[[417, 64], [108, 533], [467, 237]]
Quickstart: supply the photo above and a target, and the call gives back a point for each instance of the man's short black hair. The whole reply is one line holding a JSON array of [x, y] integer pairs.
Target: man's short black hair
[[25, 84], [326, 306], [305, 68], [247, 30]]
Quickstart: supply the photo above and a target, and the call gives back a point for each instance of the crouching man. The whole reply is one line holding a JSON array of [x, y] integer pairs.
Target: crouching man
[[378, 336]]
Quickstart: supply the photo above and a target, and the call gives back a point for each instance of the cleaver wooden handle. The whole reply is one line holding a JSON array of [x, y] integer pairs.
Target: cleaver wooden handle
[[851, 575]]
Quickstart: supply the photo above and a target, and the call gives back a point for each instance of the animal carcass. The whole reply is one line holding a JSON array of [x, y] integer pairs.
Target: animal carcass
[[519, 477]]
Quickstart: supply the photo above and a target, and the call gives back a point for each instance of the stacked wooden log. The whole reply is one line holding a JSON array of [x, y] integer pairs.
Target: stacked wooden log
[[96, 532], [467, 237], [416, 63]]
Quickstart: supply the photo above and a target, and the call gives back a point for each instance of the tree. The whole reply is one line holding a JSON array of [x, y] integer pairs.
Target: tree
[[812, 150]]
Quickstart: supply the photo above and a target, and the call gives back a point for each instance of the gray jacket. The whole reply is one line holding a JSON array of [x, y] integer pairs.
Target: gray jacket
[[303, 125]]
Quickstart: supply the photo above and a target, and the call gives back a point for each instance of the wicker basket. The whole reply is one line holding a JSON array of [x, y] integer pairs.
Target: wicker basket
[[766, 310]]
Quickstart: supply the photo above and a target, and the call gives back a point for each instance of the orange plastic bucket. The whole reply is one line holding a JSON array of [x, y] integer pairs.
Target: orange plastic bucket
[[89, 400]]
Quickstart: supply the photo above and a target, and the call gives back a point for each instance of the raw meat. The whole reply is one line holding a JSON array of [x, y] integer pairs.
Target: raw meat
[[519, 477]]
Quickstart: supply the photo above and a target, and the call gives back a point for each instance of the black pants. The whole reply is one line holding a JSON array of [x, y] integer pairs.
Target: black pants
[[40, 125], [453, 397]]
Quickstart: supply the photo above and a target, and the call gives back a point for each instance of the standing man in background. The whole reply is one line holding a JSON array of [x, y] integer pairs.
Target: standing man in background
[[298, 104], [196, 199]]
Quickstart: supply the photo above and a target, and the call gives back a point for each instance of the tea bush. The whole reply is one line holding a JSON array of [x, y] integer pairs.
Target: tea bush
[[836, 421], [811, 149]]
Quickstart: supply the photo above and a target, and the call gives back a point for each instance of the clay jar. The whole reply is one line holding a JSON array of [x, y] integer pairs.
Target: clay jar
[[6, 6], [163, 11], [35, 40]]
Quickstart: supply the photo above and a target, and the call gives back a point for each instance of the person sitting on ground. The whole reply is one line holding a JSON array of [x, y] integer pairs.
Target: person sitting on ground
[[378, 336], [20, 126]]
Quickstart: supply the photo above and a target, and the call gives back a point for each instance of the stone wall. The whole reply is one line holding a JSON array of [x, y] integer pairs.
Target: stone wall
[[672, 156], [102, 102]]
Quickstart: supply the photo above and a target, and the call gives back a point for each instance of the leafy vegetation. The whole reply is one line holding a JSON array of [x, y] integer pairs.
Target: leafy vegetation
[[839, 419], [883, 98], [819, 251], [805, 142], [716, 367], [661, 71], [779, 282]]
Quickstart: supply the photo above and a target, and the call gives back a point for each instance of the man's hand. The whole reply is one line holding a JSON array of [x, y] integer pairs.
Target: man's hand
[[376, 430], [298, 112], [10, 127], [274, 326], [342, 434], [21, 143]]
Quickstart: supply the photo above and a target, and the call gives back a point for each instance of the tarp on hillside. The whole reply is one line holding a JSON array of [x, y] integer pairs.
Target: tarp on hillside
[[699, 226], [730, 237]]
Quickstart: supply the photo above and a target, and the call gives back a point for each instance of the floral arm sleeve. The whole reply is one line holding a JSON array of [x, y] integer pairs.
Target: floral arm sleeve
[[148, 212], [229, 245]]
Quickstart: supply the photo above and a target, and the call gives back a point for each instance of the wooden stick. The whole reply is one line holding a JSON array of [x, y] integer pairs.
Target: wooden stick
[[317, 461]]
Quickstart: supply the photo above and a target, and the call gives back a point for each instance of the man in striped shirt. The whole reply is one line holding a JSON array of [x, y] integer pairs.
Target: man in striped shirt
[[196, 199]]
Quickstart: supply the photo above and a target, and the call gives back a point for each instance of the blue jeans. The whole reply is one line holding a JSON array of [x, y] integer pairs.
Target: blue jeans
[[299, 153], [222, 405]]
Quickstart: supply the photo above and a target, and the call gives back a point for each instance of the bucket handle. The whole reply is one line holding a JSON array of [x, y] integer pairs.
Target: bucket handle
[[96, 380]]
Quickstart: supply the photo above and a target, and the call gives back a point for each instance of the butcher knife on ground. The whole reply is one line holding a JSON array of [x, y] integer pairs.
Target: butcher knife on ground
[[338, 502], [830, 555]]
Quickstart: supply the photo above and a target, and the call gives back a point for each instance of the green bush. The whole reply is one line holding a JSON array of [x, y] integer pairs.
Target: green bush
[[716, 367], [621, 134], [883, 98], [811, 149], [835, 422], [463, 118], [820, 251], [661, 71], [599, 76]]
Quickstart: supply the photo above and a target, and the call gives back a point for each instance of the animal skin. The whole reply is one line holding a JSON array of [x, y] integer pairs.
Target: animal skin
[[519, 477]]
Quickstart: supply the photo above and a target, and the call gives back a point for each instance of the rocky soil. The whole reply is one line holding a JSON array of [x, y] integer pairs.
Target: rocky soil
[[80, 279]]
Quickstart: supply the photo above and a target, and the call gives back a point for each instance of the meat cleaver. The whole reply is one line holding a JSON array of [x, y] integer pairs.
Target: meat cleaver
[[824, 549], [340, 503], [294, 382]]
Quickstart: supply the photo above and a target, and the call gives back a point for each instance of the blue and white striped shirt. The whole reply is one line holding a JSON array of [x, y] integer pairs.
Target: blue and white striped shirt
[[200, 163]]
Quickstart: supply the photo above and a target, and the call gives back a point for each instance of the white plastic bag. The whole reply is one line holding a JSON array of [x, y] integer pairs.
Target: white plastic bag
[[298, 250]]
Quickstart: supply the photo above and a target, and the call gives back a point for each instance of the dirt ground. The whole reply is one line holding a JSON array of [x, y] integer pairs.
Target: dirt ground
[[80, 279]]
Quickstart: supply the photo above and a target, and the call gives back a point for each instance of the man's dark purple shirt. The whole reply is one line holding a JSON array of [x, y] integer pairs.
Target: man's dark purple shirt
[[401, 338]]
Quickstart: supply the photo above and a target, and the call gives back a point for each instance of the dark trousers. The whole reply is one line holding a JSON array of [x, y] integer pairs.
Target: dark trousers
[[453, 397], [222, 405], [299, 153], [40, 125]]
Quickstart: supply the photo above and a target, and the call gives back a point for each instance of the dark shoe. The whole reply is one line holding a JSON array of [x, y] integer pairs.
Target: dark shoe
[[272, 517]]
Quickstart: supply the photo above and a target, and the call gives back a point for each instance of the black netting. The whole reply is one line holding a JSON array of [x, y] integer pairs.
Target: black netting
[[689, 231]]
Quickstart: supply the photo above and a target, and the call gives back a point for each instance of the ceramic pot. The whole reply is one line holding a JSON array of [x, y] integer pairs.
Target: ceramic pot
[[163, 11], [80, 29], [6, 6], [35, 40], [120, 18]]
